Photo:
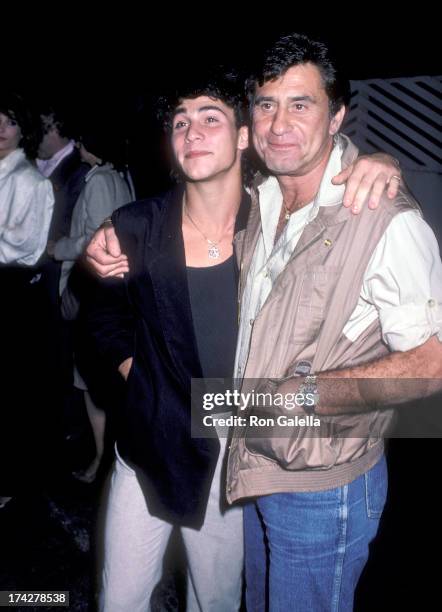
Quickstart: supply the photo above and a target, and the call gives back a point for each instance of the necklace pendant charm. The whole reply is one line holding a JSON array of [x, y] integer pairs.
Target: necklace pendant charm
[[287, 216], [213, 252]]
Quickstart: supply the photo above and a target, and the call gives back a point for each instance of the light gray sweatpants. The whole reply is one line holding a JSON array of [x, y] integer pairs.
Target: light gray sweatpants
[[135, 543]]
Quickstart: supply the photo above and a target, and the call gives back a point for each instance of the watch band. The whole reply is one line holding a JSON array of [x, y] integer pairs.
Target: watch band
[[309, 386]]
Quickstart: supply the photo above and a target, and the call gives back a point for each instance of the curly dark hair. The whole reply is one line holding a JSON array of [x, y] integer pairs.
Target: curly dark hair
[[13, 106], [218, 82], [295, 49]]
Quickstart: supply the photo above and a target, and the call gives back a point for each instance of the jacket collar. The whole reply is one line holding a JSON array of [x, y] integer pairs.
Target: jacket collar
[[327, 210], [10, 163], [166, 263]]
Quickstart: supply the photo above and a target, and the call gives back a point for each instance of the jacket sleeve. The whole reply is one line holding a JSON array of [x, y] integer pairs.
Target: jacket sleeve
[[110, 322], [110, 317]]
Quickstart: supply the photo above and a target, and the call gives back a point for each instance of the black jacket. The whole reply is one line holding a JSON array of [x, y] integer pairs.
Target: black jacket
[[148, 315], [67, 181]]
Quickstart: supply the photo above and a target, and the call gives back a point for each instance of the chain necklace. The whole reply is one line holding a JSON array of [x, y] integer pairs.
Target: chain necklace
[[213, 250], [283, 221], [288, 212]]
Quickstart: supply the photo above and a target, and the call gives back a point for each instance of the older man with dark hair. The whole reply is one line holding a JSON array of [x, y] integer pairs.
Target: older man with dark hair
[[340, 303]]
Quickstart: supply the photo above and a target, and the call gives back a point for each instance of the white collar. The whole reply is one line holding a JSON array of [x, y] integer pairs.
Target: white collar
[[11, 161], [97, 168], [270, 195], [47, 166]]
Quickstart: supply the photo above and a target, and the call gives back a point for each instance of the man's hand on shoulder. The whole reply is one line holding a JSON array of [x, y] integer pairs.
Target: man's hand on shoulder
[[103, 253], [368, 177]]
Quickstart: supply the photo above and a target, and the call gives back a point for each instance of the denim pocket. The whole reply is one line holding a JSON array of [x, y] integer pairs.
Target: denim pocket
[[376, 484]]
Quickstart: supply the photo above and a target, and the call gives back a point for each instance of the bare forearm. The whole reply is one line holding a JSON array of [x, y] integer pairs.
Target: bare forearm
[[395, 379], [421, 362], [339, 395]]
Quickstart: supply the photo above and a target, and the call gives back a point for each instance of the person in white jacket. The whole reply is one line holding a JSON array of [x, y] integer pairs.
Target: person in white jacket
[[26, 197], [26, 206]]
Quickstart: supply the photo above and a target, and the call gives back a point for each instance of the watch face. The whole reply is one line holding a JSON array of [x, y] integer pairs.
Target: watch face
[[303, 367]]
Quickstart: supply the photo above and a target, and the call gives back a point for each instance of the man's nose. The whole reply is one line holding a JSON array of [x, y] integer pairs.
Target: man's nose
[[193, 133], [281, 122]]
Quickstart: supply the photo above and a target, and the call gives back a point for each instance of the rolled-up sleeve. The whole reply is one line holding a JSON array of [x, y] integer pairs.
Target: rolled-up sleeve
[[404, 282]]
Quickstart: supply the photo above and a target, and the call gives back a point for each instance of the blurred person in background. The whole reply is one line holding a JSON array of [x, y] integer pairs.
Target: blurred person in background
[[26, 207], [105, 189]]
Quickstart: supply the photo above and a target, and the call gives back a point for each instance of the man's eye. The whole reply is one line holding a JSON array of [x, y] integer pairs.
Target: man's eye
[[179, 124], [266, 106], [212, 119], [299, 106]]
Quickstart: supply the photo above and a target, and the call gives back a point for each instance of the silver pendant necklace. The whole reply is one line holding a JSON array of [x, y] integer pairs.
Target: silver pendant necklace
[[287, 212], [213, 250]]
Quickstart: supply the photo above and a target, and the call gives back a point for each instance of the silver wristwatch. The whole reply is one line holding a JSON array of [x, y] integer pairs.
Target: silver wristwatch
[[309, 386]]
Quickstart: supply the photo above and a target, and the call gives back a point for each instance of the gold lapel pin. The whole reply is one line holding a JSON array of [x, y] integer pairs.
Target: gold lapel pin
[[327, 242]]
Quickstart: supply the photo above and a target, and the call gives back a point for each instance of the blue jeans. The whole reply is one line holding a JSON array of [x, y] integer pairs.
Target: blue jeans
[[304, 552]]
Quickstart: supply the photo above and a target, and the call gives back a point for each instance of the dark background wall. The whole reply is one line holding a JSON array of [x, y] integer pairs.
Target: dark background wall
[[122, 59]]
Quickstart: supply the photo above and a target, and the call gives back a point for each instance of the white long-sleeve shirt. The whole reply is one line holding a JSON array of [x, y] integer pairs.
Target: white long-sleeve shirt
[[26, 206]]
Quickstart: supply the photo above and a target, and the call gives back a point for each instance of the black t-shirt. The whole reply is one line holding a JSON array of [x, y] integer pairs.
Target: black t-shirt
[[213, 300]]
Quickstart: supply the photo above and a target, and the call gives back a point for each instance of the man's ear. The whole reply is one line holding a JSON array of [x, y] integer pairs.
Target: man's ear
[[243, 138], [336, 121]]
